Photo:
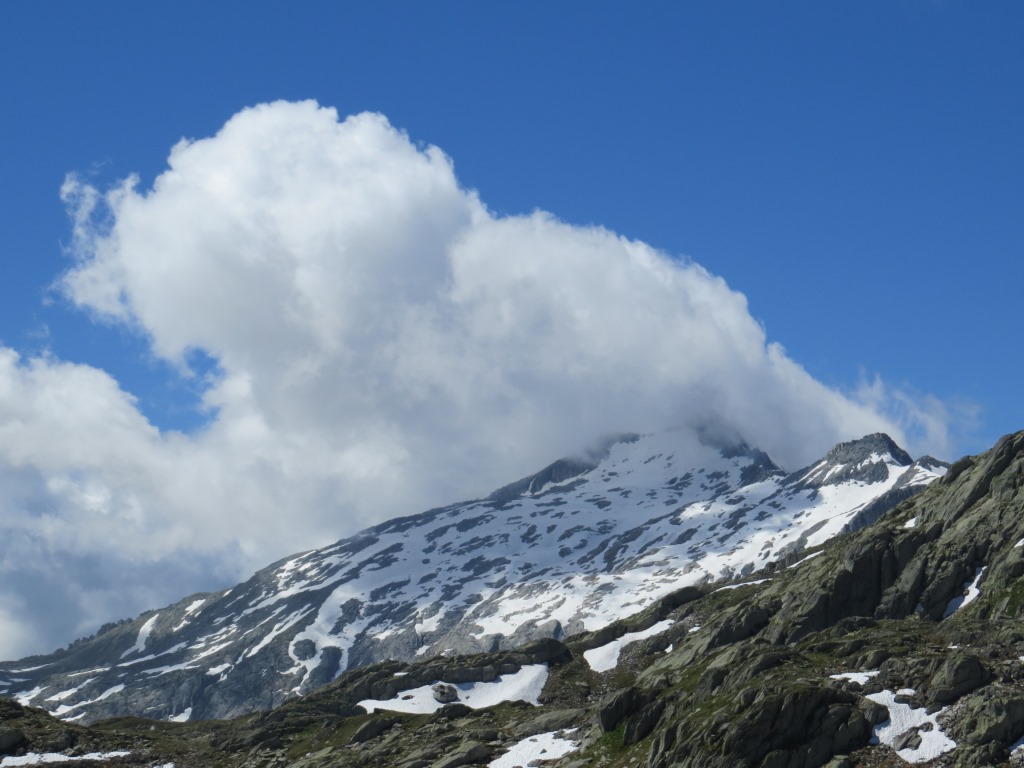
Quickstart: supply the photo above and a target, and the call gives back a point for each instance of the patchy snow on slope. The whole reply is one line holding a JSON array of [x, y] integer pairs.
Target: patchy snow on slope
[[182, 717], [903, 718], [911, 523], [39, 758], [961, 601], [727, 587], [525, 685], [606, 656], [543, 746], [857, 677], [563, 551], [70, 692], [143, 638], [150, 657], [63, 709], [187, 618], [24, 697], [803, 560]]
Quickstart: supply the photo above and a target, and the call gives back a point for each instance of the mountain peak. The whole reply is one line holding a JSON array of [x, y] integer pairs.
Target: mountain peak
[[856, 451], [871, 459]]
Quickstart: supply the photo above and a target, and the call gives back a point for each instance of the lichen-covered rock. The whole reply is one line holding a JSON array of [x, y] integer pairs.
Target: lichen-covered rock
[[994, 715], [956, 676], [468, 754]]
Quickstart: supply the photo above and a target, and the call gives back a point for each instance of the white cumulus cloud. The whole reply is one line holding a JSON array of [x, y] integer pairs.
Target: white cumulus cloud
[[383, 344]]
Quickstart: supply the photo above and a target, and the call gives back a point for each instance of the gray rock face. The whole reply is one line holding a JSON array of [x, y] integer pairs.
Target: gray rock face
[[569, 549], [620, 705]]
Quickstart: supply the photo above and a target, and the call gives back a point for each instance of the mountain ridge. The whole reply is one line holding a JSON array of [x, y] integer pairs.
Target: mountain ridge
[[569, 549], [896, 644]]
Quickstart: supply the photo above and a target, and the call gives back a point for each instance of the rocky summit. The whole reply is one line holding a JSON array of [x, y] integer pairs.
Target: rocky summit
[[895, 644], [584, 543]]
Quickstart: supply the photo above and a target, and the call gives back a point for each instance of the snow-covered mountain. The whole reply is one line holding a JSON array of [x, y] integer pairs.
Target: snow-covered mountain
[[580, 544]]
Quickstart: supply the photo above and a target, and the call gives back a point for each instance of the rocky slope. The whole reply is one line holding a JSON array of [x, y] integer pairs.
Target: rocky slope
[[900, 643], [570, 550]]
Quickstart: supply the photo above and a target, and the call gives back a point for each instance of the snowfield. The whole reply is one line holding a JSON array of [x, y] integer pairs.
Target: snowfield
[[525, 685], [607, 656], [971, 593], [902, 718], [33, 758], [543, 746]]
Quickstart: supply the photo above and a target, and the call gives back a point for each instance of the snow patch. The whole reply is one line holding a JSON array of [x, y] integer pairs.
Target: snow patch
[[902, 718], [182, 717], [543, 746], [857, 677], [607, 656], [88, 672], [25, 697], [800, 561], [38, 758], [277, 630], [960, 601], [152, 656], [187, 618], [63, 709], [143, 638], [1017, 748], [911, 523], [744, 584], [70, 692], [525, 685]]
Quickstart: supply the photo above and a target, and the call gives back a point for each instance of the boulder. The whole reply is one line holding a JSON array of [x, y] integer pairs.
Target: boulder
[[445, 694], [371, 729], [956, 676], [10, 739], [468, 754], [454, 711], [555, 720]]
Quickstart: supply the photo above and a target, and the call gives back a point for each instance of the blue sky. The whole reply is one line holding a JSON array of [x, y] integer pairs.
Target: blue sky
[[853, 169]]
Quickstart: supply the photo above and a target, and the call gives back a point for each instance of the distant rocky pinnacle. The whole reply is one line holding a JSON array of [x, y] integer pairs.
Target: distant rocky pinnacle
[[571, 550]]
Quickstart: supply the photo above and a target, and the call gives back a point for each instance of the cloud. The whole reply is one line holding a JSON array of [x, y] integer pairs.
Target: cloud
[[383, 343]]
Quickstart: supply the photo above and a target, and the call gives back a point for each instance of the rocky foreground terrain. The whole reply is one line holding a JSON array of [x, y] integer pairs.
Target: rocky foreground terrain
[[898, 643]]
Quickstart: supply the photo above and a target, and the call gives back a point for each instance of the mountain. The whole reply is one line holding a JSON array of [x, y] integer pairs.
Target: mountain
[[899, 643], [570, 550]]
